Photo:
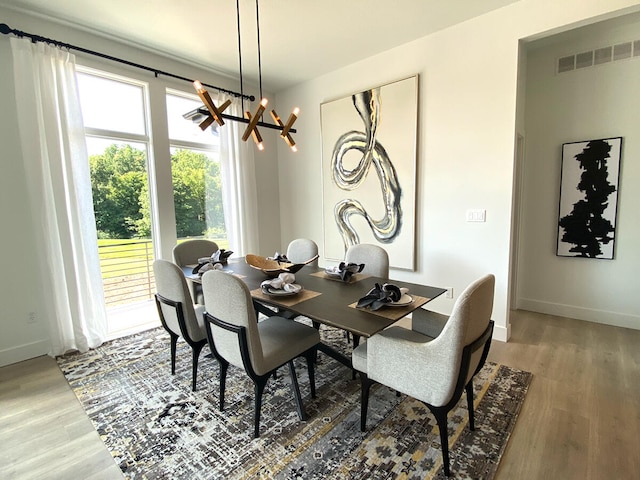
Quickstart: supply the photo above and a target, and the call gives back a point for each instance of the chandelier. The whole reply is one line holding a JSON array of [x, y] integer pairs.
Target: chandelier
[[215, 113]]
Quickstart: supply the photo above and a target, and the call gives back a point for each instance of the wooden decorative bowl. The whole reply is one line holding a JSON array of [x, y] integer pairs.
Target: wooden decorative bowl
[[273, 268]]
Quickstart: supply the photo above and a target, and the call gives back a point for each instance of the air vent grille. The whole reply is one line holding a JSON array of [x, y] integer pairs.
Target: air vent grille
[[599, 56]]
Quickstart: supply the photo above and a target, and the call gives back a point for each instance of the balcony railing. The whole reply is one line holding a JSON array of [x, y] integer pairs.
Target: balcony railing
[[127, 271]]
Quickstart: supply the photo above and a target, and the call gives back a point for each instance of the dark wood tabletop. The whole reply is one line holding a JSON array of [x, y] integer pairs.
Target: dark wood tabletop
[[332, 301]]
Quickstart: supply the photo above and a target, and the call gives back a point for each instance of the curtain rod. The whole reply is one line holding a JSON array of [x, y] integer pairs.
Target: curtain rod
[[6, 30]]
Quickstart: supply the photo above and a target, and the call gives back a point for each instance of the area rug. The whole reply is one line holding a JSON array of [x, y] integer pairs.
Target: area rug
[[156, 428]]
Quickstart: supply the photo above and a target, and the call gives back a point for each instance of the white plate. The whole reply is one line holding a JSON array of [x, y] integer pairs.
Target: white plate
[[333, 271], [403, 302], [277, 292], [333, 274]]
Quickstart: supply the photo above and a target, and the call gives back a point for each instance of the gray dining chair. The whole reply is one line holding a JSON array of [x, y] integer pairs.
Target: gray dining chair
[[302, 249], [187, 253], [434, 361], [259, 348], [374, 257], [376, 263], [178, 315]]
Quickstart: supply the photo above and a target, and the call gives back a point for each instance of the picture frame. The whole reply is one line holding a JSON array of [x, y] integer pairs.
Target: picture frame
[[588, 201], [369, 171]]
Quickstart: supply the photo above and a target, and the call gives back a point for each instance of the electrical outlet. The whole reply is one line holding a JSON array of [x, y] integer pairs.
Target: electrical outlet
[[449, 293], [32, 318]]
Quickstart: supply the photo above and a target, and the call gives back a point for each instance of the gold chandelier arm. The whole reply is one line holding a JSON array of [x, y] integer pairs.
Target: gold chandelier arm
[[257, 138], [253, 121]]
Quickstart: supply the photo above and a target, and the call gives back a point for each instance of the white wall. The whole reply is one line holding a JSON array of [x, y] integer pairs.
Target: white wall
[[467, 125], [595, 102], [21, 292]]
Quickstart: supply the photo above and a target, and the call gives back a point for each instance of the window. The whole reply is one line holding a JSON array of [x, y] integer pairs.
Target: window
[[123, 153], [115, 117], [195, 170]]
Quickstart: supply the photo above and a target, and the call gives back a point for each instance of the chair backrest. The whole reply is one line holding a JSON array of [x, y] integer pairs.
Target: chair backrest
[[189, 251], [227, 298], [172, 285], [375, 259], [302, 249], [469, 319]]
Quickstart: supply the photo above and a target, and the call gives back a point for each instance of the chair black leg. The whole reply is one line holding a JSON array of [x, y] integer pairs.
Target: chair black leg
[[259, 385], [195, 353], [441, 419], [296, 392], [223, 380], [469, 390], [310, 355], [174, 341], [365, 384]]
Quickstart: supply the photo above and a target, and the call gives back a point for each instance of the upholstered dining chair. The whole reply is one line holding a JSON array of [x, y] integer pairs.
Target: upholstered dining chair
[[302, 249], [375, 260], [178, 315], [374, 257], [434, 361], [188, 253], [260, 348]]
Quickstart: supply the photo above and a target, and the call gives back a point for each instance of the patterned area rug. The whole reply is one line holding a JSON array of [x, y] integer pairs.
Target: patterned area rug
[[156, 427]]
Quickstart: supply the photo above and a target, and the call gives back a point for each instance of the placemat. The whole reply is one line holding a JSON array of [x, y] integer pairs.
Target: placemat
[[395, 313], [356, 277], [284, 300]]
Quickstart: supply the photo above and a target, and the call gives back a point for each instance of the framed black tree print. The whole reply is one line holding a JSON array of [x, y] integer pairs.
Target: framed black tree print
[[589, 198]]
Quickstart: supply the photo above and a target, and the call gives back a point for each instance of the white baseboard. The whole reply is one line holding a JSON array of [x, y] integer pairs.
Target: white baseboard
[[23, 352], [580, 313], [501, 333]]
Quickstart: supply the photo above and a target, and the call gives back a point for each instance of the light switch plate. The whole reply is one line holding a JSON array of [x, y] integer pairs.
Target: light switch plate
[[476, 215]]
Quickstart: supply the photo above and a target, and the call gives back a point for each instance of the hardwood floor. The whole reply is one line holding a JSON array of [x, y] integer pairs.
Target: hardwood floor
[[44, 431], [580, 420], [581, 417]]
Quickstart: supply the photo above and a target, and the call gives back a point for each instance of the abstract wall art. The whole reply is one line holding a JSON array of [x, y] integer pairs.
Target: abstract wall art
[[589, 198], [369, 171]]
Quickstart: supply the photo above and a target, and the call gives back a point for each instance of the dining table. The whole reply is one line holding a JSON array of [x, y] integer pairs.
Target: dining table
[[328, 300]]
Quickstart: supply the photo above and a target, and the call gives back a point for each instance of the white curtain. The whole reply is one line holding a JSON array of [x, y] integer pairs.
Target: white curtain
[[239, 197], [57, 168]]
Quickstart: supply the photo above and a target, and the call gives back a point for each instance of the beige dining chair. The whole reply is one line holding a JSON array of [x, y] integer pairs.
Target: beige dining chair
[[374, 257], [178, 315], [259, 348], [302, 249], [376, 263], [434, 361], [187, 253]]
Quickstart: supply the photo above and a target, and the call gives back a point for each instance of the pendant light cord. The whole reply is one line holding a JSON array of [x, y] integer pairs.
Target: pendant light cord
[[259, 52], [240, 53]]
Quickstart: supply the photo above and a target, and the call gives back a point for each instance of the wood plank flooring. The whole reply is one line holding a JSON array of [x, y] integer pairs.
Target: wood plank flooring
[[580, 420]]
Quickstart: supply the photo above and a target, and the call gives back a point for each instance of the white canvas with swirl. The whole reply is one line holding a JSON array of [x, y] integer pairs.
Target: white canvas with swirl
[[369, 171]]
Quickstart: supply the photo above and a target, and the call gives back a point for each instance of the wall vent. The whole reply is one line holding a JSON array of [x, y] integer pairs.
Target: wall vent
[[599, 56], [584, 60]]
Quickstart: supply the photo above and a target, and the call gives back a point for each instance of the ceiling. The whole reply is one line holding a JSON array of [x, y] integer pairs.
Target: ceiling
[[299, 39]]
